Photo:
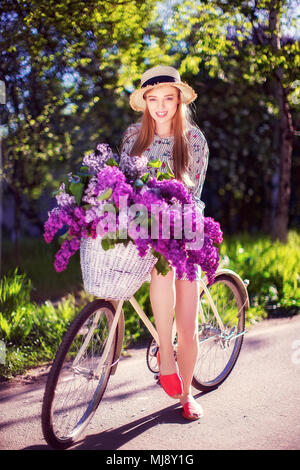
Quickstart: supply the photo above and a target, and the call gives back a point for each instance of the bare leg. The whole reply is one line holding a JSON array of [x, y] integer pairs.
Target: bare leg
[[163, 299], [187, 332]]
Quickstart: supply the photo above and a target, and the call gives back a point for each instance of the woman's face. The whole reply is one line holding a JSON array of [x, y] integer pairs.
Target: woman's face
[[162, 103]]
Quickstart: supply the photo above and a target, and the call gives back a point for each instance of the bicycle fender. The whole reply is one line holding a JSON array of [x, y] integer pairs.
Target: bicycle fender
[[239, 281]]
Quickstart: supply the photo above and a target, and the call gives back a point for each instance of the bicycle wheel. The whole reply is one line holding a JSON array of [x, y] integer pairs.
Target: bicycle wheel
[[151, 356], [219, 347], [74, 387]]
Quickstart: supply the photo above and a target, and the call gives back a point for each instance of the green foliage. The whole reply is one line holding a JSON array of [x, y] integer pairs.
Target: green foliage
[[36, 260], [272, 269], [31, 332], [14, 291], [62, 70], [65, 70]]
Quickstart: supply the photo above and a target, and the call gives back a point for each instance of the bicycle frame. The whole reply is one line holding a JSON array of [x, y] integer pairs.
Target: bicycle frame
[[148, 324], [202, 286]]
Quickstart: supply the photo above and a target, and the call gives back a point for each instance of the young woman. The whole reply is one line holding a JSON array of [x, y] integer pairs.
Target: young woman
[[166, 131]]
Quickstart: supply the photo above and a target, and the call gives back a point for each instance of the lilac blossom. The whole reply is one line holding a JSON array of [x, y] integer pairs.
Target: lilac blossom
[[133, 167], [90, 192], [109, 185], [95, 161], [63, 198]]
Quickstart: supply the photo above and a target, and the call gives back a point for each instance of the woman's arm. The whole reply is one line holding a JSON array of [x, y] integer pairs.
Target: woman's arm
[[128, 138]]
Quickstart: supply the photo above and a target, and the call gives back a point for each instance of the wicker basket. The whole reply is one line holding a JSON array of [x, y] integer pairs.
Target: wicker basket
[[116, 273]]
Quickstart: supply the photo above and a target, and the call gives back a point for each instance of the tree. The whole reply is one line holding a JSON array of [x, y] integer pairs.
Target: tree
[[286, 130], [241, 41], [60, 62]]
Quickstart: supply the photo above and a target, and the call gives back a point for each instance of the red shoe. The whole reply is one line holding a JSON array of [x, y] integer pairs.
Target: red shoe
[[171, 383], [192, 411]]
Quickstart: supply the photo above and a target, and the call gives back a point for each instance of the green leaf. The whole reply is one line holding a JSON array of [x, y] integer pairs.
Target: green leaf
[[169, 171], [77, 191], [155, 163], [87, 206], [111, 162], [108, 243], [63, 237], [28, 322], [162, 265], [105, 195], [84, 169], [105, 244], [4, 325], [163, 176], [145, 178]]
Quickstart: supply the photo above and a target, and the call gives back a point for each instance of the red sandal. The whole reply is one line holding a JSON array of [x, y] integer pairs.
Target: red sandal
[[171, 383], [192, 411]]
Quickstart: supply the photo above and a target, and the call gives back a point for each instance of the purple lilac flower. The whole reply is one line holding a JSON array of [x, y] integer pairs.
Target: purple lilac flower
[[123, 189], [57, 219], [133, 167], [90, 192], [95, 161], [84, 221], [67, 249], [63, 198], [171, 189], [108, 177]]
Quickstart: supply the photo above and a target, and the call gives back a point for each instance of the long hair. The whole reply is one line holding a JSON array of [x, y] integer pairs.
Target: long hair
[[181, 123]]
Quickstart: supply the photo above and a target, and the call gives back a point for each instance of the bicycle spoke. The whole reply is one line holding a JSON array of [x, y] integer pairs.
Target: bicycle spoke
[[76, 385], [219, 347]]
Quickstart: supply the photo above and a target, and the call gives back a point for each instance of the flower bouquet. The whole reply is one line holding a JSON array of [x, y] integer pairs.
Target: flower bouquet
[[126, 200]]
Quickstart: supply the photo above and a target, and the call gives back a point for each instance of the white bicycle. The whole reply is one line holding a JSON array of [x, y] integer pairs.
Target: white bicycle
[[91, 348]]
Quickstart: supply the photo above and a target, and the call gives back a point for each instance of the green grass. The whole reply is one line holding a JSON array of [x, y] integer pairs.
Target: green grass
[[31, 332], [37, 304], [36, 259]]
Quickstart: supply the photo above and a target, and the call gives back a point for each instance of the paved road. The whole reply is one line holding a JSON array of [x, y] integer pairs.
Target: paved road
[[258, 407]]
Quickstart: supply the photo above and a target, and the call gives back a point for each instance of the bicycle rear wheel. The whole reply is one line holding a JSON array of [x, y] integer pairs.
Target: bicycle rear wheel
[[219, 347], [74, 387]]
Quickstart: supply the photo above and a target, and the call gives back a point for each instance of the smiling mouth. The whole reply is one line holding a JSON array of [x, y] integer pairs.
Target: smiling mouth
[[162, 114]]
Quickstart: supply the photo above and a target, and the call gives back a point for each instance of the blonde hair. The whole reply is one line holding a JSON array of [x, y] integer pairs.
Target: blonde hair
[[181, 123]]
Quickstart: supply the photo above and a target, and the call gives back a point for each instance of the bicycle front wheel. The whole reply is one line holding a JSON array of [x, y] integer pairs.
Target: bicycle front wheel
[[76, 384], [220, 342]]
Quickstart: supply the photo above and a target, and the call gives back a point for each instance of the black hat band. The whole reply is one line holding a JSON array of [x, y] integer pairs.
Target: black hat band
[[159, 79]]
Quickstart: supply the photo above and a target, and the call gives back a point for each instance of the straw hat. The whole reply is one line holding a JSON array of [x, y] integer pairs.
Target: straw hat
[[160, 76]]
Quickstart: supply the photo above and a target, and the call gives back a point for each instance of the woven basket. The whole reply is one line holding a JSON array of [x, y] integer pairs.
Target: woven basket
[[116, 273]]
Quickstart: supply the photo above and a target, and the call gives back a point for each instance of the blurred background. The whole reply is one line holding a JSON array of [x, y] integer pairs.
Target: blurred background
[[67, 69]]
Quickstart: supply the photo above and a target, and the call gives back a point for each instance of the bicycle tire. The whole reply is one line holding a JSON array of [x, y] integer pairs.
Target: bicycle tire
[[63, 373], [208, 375], [151, 356]]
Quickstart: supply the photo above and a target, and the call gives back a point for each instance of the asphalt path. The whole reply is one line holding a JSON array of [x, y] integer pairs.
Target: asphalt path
[[257, 407]]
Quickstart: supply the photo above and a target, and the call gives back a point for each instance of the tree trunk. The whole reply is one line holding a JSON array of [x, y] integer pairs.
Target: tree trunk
[[281, 219]]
